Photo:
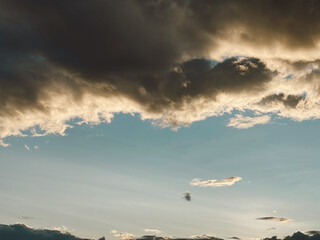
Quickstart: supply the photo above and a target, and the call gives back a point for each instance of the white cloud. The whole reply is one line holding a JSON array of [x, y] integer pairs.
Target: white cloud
[[36, 147], [124, 235], [62, 229], [215, 183], [27, 147], [155, 231], [242, 122], [3, 144]]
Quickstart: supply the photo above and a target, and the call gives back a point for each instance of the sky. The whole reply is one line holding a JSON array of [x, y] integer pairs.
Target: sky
[[171, 118]]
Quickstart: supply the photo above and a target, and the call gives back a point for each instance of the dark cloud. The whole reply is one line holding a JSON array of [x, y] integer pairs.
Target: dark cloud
[[187, 196], [22, 232], [277, 219], [153, 53], [290, 101], [313, 232]]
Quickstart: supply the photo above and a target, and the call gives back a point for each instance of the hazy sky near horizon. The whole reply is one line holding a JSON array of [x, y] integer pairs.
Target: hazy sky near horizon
[[175, 118]]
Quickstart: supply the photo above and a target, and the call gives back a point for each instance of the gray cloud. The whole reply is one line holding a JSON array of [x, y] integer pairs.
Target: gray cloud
[[276, 219], [20, 231], [172, 62]]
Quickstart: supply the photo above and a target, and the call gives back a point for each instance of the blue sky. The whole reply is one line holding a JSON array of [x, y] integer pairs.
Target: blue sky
[[130, 175]]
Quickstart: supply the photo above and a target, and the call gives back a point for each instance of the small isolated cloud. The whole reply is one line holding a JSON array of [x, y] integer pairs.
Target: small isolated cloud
[[312, 232], [155, 231], [271, 229], [123, 235], [204, 236], [3, 144], [27, 147], [187, 196], [215, 183], [242, 122], [36, 147], [275, 219]]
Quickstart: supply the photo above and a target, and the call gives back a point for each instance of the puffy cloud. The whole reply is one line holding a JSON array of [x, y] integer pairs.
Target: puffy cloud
[[276, 219], [20, 231], [148, 230], [242, 122], [123, 235], [215, 183], [172, 62]]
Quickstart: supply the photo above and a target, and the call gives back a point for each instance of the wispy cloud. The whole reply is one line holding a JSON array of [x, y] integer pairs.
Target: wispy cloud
[[244, 122], [123, 235], [3, 144], [276, 219], [27, 147], [204, 236], [215, 183], [155, 231], [312, 232]]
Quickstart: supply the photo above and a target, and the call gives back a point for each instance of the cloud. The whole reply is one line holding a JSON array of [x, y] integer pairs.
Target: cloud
[[173, 67], [36, 147], [313, 232], [204, 236], [242, 122], [276, 219], [215, 183], [27, 147], [24, 217], [155, 231], [124, 235], [187, 196], [3, 144], [272, 228], [21, 231]]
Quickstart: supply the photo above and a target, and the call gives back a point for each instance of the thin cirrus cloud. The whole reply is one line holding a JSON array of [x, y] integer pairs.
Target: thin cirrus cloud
[[244, 122], [188, 71], [215, 183], [275, 219]]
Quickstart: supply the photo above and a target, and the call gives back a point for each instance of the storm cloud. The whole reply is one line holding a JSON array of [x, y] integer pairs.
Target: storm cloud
[[171, 62]]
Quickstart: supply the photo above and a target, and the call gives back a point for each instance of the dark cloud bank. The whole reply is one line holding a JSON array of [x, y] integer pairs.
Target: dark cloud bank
[[156, 54], [22, 232]]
